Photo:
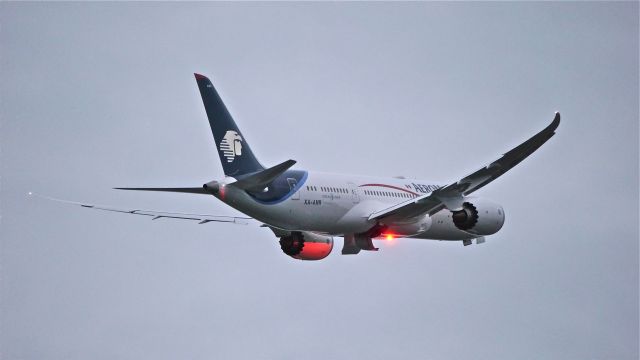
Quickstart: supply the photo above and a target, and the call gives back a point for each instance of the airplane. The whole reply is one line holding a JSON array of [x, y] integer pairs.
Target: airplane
[[306, 209]]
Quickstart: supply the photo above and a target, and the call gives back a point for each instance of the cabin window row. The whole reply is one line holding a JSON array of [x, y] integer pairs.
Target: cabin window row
[[388, 194], [327, 189]]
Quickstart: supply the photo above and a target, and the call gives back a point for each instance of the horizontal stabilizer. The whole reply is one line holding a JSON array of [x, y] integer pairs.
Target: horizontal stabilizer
[[259, 180], [189, 190]]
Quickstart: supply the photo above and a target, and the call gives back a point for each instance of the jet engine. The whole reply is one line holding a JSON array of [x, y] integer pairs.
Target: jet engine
[[479, 216], [304, 245]]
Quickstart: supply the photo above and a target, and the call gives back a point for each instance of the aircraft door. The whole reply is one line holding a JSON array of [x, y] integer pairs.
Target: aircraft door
[[353, 190], [293, 186]]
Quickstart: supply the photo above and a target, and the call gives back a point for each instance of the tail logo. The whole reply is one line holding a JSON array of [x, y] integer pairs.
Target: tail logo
[[231, 145]]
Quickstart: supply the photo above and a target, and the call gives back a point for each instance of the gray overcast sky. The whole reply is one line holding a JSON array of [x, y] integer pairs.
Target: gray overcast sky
[[101, 95]]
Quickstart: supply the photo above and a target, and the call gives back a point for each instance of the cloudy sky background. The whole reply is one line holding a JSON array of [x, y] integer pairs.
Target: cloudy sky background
[[101, 95]]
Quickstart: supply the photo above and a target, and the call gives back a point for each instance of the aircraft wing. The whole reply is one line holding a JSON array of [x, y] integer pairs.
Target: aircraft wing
[[155, 215], [452, 195]]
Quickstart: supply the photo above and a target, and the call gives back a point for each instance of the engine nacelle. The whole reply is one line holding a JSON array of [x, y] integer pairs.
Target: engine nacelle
[[479, 216], [304, 245]]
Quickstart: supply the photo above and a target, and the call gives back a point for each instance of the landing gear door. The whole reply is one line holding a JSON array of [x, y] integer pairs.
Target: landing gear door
[[293, 186]]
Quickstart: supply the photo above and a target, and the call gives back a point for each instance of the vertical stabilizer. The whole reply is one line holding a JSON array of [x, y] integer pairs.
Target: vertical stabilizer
[[234, 151]]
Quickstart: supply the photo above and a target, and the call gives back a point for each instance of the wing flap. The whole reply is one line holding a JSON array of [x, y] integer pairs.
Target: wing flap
[[410, 208]]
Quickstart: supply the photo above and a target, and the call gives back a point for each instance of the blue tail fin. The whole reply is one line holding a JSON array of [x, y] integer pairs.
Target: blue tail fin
[[234, 151]]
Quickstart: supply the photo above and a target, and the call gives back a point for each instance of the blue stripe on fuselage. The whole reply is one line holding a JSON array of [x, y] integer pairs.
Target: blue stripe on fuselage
[[279, 189]]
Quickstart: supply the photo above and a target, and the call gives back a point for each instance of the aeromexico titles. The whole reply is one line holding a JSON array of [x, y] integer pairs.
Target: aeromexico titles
[[307, 210]]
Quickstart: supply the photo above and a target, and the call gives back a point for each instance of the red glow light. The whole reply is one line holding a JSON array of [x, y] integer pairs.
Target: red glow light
[[389, 237], [222, 192]]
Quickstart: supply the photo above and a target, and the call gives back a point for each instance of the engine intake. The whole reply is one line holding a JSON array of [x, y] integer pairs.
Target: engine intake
[[466, 218], [305, 245], [479, 216]]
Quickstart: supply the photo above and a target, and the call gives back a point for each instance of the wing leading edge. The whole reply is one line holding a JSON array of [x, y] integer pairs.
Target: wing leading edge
[[452, 195]]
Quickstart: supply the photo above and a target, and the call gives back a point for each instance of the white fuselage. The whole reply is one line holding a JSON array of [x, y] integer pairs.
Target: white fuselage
[[337, 204]]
